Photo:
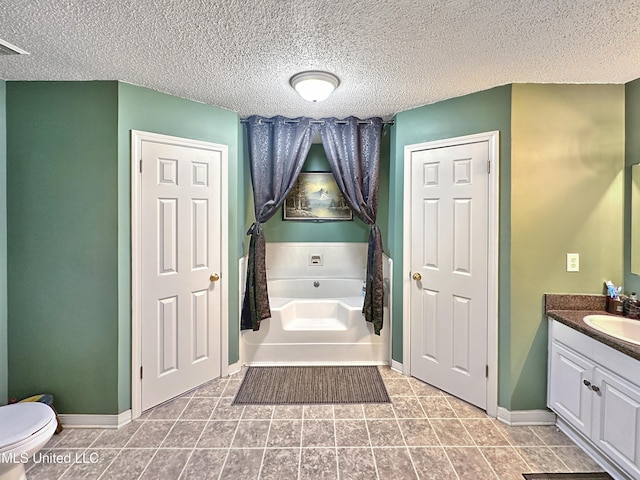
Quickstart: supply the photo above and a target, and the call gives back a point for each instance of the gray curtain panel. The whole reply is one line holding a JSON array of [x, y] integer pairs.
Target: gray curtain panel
[[278, 147], [353, 149]]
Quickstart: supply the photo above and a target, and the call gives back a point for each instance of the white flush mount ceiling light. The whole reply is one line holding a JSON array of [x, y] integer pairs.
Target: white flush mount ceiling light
[[314, 86]]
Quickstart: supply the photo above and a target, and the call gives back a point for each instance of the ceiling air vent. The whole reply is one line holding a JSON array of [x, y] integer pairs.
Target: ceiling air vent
[[7, 49]]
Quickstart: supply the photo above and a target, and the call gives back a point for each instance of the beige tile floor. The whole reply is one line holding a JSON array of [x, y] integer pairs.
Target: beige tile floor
[[425, 434]]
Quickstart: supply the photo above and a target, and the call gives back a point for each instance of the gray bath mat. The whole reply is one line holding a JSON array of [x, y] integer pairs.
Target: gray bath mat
[[567, 476], [311, 385]]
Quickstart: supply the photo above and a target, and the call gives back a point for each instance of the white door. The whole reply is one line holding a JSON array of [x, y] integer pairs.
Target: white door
[[449, 251], [180, 262]]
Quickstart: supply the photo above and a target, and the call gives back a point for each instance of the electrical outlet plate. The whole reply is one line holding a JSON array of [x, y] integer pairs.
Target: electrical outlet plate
[[573, 262]]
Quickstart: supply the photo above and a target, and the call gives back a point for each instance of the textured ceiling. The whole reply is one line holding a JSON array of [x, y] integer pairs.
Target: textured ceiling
[[390, 55]]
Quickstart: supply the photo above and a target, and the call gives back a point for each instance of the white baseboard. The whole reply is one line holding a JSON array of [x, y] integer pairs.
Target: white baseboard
[[349, 363], [526, 417], [396, 366], [234, 368], [73, 420]]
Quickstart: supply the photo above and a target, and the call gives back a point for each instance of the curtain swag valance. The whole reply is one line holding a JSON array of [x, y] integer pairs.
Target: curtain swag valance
[[316, 122], [278, 147]]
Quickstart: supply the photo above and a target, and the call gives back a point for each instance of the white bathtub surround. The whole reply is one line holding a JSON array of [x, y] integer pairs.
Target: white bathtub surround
[[296, 260], [316, 309]]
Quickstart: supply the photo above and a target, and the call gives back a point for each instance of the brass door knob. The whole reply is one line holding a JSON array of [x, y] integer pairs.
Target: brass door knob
[[214, 277], [417, 277]]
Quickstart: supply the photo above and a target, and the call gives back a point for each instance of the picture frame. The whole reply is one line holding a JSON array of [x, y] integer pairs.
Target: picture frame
[[315, 197]]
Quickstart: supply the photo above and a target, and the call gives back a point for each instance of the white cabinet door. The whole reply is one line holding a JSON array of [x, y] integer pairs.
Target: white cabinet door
[[570, 393], [616, 420]]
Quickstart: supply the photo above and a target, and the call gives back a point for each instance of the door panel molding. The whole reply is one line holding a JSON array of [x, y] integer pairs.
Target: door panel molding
[[137, 140], [493, 140]]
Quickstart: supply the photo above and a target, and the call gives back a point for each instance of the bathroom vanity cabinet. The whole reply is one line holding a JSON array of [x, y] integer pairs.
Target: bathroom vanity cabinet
[[595, 392]]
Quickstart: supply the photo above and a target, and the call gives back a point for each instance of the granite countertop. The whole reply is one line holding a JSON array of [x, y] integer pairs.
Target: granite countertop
[[570, 310]]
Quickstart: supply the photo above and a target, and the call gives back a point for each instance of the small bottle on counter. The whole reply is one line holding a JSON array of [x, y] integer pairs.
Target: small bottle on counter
[[630, 307], [615, 305]]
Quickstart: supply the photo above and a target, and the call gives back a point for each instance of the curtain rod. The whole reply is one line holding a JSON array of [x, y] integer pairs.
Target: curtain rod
[[321, 122]]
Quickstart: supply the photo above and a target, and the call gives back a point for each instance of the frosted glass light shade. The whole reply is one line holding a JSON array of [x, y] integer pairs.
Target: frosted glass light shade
[[314, 86]]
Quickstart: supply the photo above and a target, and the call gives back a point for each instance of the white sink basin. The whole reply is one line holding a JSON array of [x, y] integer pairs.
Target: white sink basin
[[618, 327]]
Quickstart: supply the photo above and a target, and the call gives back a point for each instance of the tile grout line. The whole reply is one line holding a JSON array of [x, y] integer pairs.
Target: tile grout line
[[83, 452], [199, 437], [211, 415], [112, 460], [498, 446], [224, 463], [335, 440], [43, 451], [123, 447], [163, 440], [436, 435], [191, 399], [301, 440], [542, 439], [65, 471], [544, 444], [96, 439], [475, 444], [228, 451], [453, 468], [404, 440], [266, 441], [517, 447], [373, 456], [550, 449]]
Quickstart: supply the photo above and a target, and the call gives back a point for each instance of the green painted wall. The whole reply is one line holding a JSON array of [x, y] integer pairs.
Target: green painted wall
[[69, 218], [68, 203], [480, 112], [62, 219], [567, 157], [570, 137], [632, 138], [4, 367], [147, 110], [383, 189]]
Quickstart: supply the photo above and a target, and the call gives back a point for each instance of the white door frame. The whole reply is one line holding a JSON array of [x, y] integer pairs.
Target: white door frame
[[493, 139], [137, 138]]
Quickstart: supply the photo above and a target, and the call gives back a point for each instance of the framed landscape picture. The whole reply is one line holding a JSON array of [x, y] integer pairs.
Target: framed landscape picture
[[315, 196]]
